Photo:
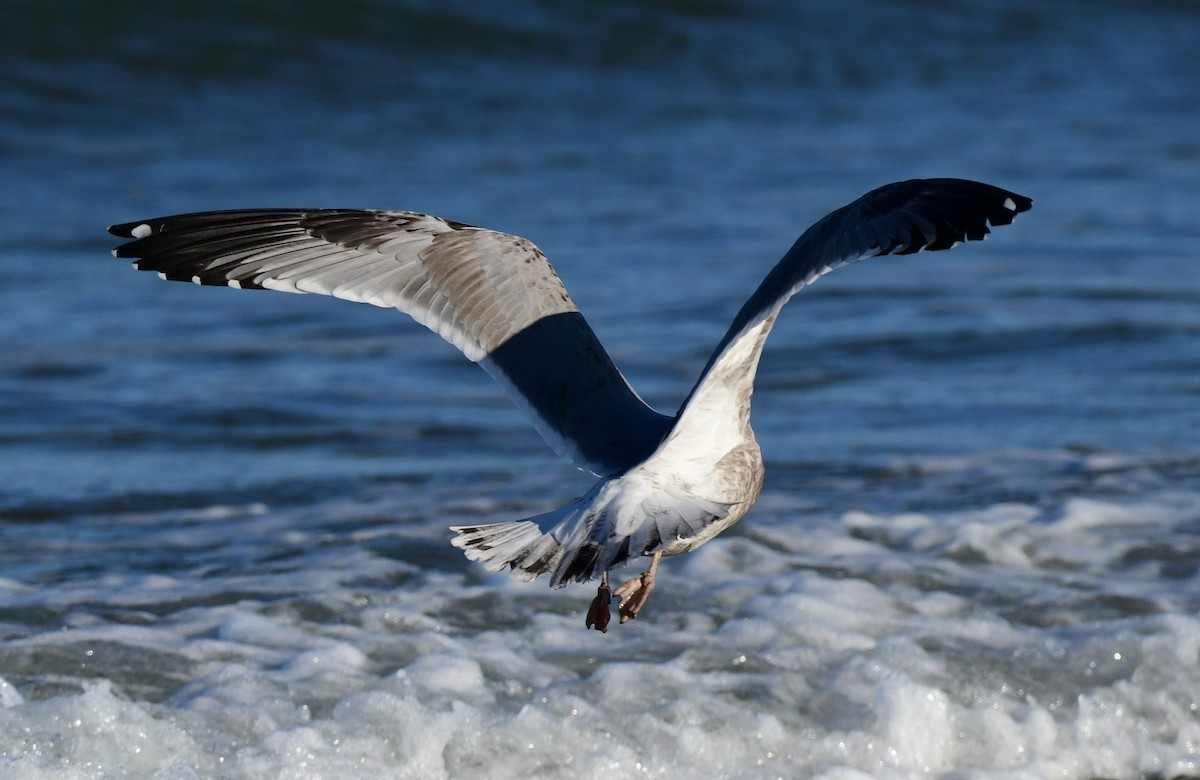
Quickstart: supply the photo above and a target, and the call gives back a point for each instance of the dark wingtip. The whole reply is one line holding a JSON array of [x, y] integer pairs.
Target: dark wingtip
[[139, 229], [1014, 204], [972, 207], [126, 230], [1021, 203]]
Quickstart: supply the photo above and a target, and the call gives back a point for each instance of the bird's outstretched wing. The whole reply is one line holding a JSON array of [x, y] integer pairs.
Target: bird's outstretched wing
[[895, 219], [492, 295]]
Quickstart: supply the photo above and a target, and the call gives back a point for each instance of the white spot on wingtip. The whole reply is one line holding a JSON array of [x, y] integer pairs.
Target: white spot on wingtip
[[196, 280], [1009, 204], [161, 275], [235, 284], [141, 231]]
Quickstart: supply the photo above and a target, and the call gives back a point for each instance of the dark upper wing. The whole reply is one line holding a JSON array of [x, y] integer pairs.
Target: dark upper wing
[[492, 295], [899, 218]]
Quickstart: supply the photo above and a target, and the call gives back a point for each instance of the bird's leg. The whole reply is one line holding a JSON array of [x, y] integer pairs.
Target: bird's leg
[[598, 614], [633, 594]]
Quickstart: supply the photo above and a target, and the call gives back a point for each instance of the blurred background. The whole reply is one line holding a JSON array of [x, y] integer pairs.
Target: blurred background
[[200, 486]]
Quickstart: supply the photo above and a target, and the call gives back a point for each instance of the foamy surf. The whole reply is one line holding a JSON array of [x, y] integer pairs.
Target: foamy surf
[[1002, 641]]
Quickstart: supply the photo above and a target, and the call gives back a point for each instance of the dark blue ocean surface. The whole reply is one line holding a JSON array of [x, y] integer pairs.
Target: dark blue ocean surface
[[223, 513]]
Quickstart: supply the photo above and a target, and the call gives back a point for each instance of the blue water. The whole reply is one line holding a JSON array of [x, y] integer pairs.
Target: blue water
[[222, 514]]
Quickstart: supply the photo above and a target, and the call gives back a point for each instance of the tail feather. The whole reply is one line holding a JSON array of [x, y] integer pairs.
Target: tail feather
[[521, 545], [580, 541], [556, 543]]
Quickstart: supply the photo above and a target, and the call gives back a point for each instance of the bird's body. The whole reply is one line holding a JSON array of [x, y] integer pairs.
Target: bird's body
[[667, 483]]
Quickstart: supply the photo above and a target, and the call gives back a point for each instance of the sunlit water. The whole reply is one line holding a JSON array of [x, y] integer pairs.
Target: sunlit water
[[223, 544]]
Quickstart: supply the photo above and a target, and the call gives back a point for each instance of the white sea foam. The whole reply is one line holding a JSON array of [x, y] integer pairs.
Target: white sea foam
[[1004, 641]]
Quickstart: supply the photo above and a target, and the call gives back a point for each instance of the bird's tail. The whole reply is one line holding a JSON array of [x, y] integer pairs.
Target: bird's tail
[[558, 543], [529, 548], [518, 544]]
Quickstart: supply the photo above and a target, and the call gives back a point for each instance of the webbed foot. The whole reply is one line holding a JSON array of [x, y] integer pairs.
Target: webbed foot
[[598, 614], [633, 593]]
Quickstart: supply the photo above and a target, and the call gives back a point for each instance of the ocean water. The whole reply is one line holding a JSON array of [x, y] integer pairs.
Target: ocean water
[[223, 515]]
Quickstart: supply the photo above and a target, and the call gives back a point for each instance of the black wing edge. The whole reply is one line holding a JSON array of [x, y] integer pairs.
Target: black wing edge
[[179, 247], [895, 219], [201, 246], [930, 214]]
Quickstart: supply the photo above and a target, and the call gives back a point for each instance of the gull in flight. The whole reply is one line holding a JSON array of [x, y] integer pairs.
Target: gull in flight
[[667, 483]]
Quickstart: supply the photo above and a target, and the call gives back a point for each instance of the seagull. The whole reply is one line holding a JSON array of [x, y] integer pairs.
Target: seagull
[[667, 483]]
